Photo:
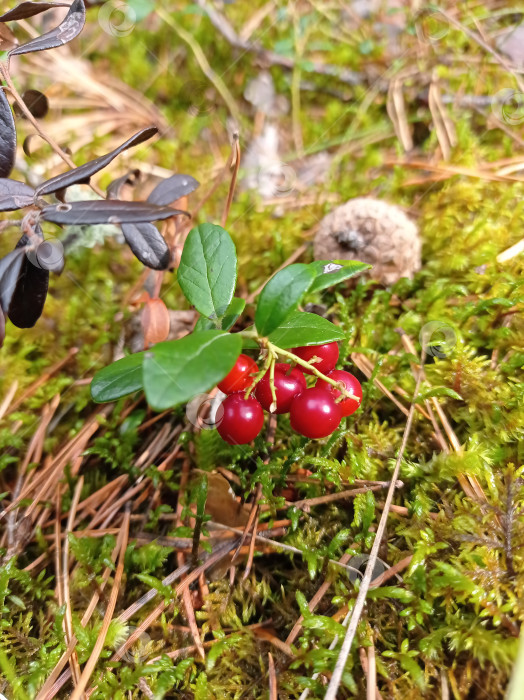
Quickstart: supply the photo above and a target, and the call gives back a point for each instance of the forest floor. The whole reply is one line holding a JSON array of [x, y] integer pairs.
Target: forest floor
[[421, 108]]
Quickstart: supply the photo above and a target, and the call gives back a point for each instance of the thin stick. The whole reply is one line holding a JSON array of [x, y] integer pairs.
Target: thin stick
[[273, 685], [191, 621], [331, 497], [203, 63], [23, 107], [235, 156], [278, 545], [8, 398], [364, 586], [99, 644], [68, 617], [372, 674], [42, 379]]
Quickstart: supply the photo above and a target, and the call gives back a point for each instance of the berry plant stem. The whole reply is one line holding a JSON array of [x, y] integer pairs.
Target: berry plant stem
[[299, 361], [4, 73]]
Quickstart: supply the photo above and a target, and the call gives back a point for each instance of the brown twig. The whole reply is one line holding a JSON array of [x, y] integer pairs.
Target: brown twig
[[364, 586], [99, 644], [273, 684], [4, 72], [235, 164], [43, 378]]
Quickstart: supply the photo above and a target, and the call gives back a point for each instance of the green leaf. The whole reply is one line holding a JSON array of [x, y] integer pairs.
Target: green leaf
[[175, 371], [204, 324], [331, 272], [395, 592], [302, 328], [208, 269], [281, 295], [233, 312], [412, 667], [121, 378], [438, 391]]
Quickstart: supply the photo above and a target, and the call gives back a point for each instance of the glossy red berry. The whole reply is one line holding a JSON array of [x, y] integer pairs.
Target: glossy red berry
[[242, 419], [289, 382], [240, 377], [327, 354], [347, 406], [314, 413]]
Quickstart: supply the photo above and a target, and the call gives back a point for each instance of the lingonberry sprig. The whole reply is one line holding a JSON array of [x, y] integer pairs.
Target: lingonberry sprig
[[290, 345]]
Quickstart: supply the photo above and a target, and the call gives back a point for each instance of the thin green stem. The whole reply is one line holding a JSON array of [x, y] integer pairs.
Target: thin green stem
[[307, 365], [259, 375], [273, 406]]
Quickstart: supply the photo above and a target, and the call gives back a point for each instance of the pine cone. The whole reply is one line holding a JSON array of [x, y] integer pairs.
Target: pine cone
[[372, 231]]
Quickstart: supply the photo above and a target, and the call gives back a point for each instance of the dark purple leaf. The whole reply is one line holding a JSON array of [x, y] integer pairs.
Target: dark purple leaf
[[83, 173], [47, 255], [7, 137], [29, 9], [114, 189], [103, 211], [68, 30], [28, 299], [36, 102], [2, 327], [10, 267], [148, 245], [172, 188], [15, 195]]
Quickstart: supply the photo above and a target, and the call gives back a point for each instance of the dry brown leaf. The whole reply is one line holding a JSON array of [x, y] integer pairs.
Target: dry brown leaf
[[155, 322], [222, 504]]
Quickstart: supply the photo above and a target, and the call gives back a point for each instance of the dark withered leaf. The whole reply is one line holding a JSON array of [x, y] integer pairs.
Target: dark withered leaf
[[112, 211], [2, 327], [10, 267], [172, 188], [7, 39], [148, 245], [29, 9], [15, 195], [26, 145], [36, 102], [114, 189], [28, 299], [66, 31], [7, 137], [48, 255], [83, 173]]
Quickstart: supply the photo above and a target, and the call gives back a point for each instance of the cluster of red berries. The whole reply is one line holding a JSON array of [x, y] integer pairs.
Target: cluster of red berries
[[314, 412]]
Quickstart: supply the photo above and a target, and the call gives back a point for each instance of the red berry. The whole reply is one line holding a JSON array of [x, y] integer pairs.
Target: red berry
[[239, 378], [314, 413], [242, 419], [289, 382], [347, 406], [327, 353]]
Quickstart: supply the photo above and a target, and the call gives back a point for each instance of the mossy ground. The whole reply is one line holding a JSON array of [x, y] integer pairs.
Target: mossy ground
[[449, 622]]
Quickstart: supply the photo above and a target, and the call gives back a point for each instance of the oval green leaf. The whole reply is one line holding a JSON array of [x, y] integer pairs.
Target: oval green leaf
[[208, 269], [281, 295], [302, 328], [177, 370], [233, 312], [331, 272], [121, 378]]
